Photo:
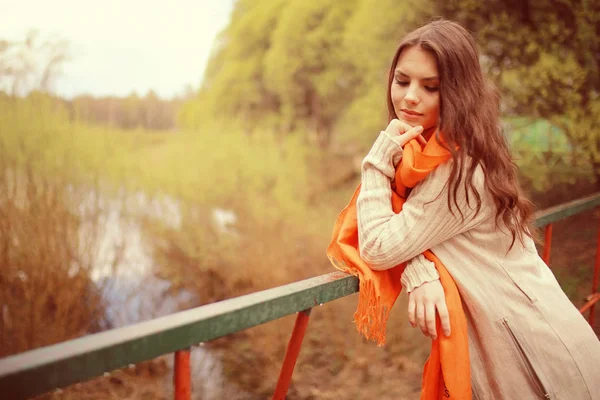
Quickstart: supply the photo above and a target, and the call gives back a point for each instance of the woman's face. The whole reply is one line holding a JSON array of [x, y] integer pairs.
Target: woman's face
[[415, 88]]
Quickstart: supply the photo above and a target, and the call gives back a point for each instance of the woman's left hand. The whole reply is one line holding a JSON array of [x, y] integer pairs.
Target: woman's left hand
[[423, 302]]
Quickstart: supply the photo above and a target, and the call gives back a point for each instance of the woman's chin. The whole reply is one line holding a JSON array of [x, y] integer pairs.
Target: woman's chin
[[411, 123]]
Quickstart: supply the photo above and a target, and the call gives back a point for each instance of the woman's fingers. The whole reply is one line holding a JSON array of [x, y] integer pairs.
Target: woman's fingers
[[421, 318], [397, 127], [411, 134], [442, 310], [412, 308], [425, 303], [407, 132], [430, 320]]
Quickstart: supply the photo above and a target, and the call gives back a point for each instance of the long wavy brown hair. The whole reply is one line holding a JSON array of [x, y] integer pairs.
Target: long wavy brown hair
[[470, 124]]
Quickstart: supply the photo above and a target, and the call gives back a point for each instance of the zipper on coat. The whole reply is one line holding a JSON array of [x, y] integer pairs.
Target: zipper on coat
[[540, 385]]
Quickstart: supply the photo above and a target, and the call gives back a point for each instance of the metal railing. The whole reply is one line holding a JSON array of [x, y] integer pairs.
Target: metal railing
[[38, 371], [545, 219]]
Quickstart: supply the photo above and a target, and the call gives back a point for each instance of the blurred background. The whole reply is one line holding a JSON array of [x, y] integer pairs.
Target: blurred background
[[159, 156]]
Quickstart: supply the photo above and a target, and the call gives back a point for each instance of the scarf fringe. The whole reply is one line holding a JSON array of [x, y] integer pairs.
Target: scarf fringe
[[371, 316]]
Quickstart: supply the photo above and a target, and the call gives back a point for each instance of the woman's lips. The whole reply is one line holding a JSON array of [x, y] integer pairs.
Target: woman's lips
[[410, 115]]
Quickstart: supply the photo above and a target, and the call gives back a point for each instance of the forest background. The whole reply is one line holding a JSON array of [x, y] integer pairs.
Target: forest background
[[115, 210]]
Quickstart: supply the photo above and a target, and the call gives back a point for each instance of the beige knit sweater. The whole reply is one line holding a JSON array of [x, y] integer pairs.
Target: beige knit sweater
[[526, 339]]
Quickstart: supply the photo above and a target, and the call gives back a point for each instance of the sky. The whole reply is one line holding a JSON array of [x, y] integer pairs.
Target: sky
[[118, 47]]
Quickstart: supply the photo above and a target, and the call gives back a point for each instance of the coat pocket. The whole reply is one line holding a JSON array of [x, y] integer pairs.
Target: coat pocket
[[529, 360]]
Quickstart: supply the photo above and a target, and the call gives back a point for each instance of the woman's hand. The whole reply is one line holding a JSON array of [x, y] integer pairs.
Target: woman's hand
[[405, 131], [422, 304]]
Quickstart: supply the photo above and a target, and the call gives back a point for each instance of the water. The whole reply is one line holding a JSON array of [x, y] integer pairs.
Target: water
[[123, 270]]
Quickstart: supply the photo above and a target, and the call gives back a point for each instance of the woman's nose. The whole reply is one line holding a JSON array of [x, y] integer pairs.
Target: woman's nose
[[411, 96]]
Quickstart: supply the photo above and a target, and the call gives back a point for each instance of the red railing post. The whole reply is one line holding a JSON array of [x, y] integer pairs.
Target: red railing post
[[547, 244], [291, 355], [591, 300], [595, 279], [182, 375]]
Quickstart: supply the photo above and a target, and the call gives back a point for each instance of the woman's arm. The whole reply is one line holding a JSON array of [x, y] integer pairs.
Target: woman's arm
[[387, 239]]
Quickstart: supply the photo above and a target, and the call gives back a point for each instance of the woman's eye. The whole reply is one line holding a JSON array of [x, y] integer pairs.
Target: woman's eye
[[401, 83], [432, 88]]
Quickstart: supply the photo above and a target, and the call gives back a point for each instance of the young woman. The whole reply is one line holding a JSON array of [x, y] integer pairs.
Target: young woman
[[439, 209]]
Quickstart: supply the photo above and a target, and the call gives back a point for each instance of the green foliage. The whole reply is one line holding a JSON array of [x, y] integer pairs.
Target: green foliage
[[321, 68], [234, 82], [544, 153], [317, 67], [37, 134], [370, 39], [535, 135], [544, 56], [259, 175], [304, 64], [30, 127], [254, 175]]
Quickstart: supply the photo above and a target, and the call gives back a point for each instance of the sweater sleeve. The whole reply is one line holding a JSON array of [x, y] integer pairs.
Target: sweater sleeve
[[418, 271], [387, 239]]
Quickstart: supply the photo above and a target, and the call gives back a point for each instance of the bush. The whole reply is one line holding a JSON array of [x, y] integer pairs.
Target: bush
[[49, 229]]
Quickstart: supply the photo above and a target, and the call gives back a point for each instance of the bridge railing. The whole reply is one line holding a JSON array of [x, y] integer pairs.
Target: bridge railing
[[40, 370]]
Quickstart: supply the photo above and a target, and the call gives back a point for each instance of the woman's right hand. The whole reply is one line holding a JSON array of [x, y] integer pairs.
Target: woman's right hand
[[405, 131], [423, 302]]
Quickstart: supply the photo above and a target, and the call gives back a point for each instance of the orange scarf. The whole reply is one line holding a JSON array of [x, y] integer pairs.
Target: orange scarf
[[447, 371]]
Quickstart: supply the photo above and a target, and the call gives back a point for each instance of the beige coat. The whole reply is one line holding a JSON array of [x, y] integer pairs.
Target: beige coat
[[526, 339]]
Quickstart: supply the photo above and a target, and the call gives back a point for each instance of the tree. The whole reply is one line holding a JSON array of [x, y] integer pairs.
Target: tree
[[295, 65], [305, 65], [321, 68], [545, 56], [370, 39], [31, 65], [234, 80]]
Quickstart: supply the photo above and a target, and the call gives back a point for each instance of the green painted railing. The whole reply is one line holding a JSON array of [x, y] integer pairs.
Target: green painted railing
[[562, 211], [41, 370]]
